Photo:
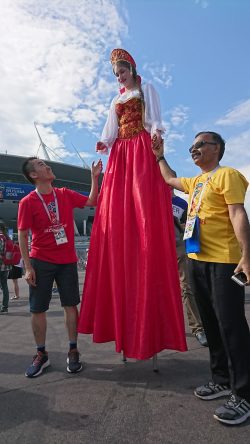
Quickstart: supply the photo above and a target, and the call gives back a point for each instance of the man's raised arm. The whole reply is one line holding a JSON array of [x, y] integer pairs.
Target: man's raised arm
[[95, 172], [167, 173]]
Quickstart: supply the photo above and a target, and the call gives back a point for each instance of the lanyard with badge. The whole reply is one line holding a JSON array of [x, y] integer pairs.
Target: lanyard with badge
[[57, 228], [192, 228]]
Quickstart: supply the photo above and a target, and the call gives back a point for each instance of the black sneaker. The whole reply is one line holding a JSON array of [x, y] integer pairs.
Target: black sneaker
[[40, 362], [4, 310], [74, 364], [212, 391], [235, 411]]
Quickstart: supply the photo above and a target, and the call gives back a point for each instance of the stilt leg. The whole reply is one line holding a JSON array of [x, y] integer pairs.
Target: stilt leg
[[124, 357], [155, 364]]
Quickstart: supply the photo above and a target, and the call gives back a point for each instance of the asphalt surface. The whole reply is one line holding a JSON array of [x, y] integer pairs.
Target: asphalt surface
[[109, 401]]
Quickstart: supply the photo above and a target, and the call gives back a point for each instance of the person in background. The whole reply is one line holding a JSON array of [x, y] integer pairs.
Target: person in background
[[48, 213], [180, 206], [4, 270], [131, 292], [16, 273], [54, 288], [218, 242]]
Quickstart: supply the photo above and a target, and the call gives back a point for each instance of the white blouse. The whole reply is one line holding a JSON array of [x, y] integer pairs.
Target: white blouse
[[152, 113]]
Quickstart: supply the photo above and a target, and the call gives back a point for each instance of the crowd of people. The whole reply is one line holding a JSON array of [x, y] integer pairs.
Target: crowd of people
[[139, 266]]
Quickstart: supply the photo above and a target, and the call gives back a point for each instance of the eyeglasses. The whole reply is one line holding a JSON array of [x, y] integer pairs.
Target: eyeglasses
[[200, 145]]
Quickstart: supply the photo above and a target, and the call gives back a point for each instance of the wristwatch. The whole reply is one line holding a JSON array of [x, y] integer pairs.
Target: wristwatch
[[160, 158]]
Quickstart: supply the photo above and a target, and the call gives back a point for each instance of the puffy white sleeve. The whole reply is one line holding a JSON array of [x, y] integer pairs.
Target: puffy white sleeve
[[110, 130], [152, 109]]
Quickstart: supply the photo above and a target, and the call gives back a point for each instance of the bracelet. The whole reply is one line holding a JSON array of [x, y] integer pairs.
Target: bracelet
[[160, 158]]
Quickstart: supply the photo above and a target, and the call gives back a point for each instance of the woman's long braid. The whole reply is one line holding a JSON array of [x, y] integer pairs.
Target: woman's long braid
[[138, 83]]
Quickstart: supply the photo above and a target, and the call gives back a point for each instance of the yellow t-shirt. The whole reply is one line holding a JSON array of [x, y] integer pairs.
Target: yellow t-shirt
[[226, 186]]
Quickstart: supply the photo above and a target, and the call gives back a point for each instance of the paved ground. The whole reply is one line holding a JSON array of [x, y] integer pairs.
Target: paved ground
[[108, 402]]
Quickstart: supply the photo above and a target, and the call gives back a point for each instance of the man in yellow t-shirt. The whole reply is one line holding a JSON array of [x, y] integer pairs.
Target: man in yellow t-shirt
[[226, 186], [221, 248]]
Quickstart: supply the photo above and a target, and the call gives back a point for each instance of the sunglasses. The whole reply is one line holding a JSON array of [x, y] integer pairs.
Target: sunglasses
[[200, 145]]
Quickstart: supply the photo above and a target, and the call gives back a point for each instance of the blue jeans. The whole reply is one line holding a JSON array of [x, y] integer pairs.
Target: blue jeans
[[5, 290]]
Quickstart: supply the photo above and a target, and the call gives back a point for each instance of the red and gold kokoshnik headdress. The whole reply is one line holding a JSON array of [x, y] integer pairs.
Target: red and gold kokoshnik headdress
[[118, 55]]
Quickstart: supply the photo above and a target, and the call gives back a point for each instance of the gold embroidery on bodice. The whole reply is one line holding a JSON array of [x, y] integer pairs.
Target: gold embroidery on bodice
[[129, 118]]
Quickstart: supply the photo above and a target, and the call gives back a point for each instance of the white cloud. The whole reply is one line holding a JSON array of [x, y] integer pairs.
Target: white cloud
[[239, 115], [237, 155], [86, 116], [177, 119], [203, 3], [179, 115], [246, 172], [160, 73], [237, 151], [86, 155], [172, 137], [54, 67]]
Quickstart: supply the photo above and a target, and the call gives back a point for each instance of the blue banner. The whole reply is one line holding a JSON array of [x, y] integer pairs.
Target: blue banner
[[16, 191]]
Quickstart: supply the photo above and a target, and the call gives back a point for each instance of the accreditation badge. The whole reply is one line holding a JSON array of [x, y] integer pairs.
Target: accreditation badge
[[60, 235], [189, 227]]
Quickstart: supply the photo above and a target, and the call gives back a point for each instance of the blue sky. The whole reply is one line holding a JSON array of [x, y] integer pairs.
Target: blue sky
[[54, 68]]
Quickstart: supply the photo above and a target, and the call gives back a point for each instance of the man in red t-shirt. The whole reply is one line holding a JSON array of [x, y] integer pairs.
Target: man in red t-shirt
[[48, 213]]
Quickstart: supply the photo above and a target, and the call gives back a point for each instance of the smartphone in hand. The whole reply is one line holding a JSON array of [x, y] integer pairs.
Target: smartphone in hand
[[240, 278]]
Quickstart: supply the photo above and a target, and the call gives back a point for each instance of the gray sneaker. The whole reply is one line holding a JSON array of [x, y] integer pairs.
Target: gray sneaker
[[39, 364], [201, 338], [211, 391], [235, 411]]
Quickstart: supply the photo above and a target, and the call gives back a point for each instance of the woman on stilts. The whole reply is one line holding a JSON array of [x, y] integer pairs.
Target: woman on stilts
[[131, 293]]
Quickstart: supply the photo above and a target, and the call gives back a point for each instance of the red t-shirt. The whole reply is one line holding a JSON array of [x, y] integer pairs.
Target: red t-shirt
[[32, 215]]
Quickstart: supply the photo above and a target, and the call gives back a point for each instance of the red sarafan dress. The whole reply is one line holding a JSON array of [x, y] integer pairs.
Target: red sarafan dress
[[131, 293]]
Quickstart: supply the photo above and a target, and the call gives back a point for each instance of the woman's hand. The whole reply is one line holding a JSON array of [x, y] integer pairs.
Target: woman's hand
[[156, 140], [96, 169], [101, 148]]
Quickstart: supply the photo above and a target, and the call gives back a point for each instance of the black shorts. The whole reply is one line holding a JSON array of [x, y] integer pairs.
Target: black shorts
[[66, 277], [15, 272]]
